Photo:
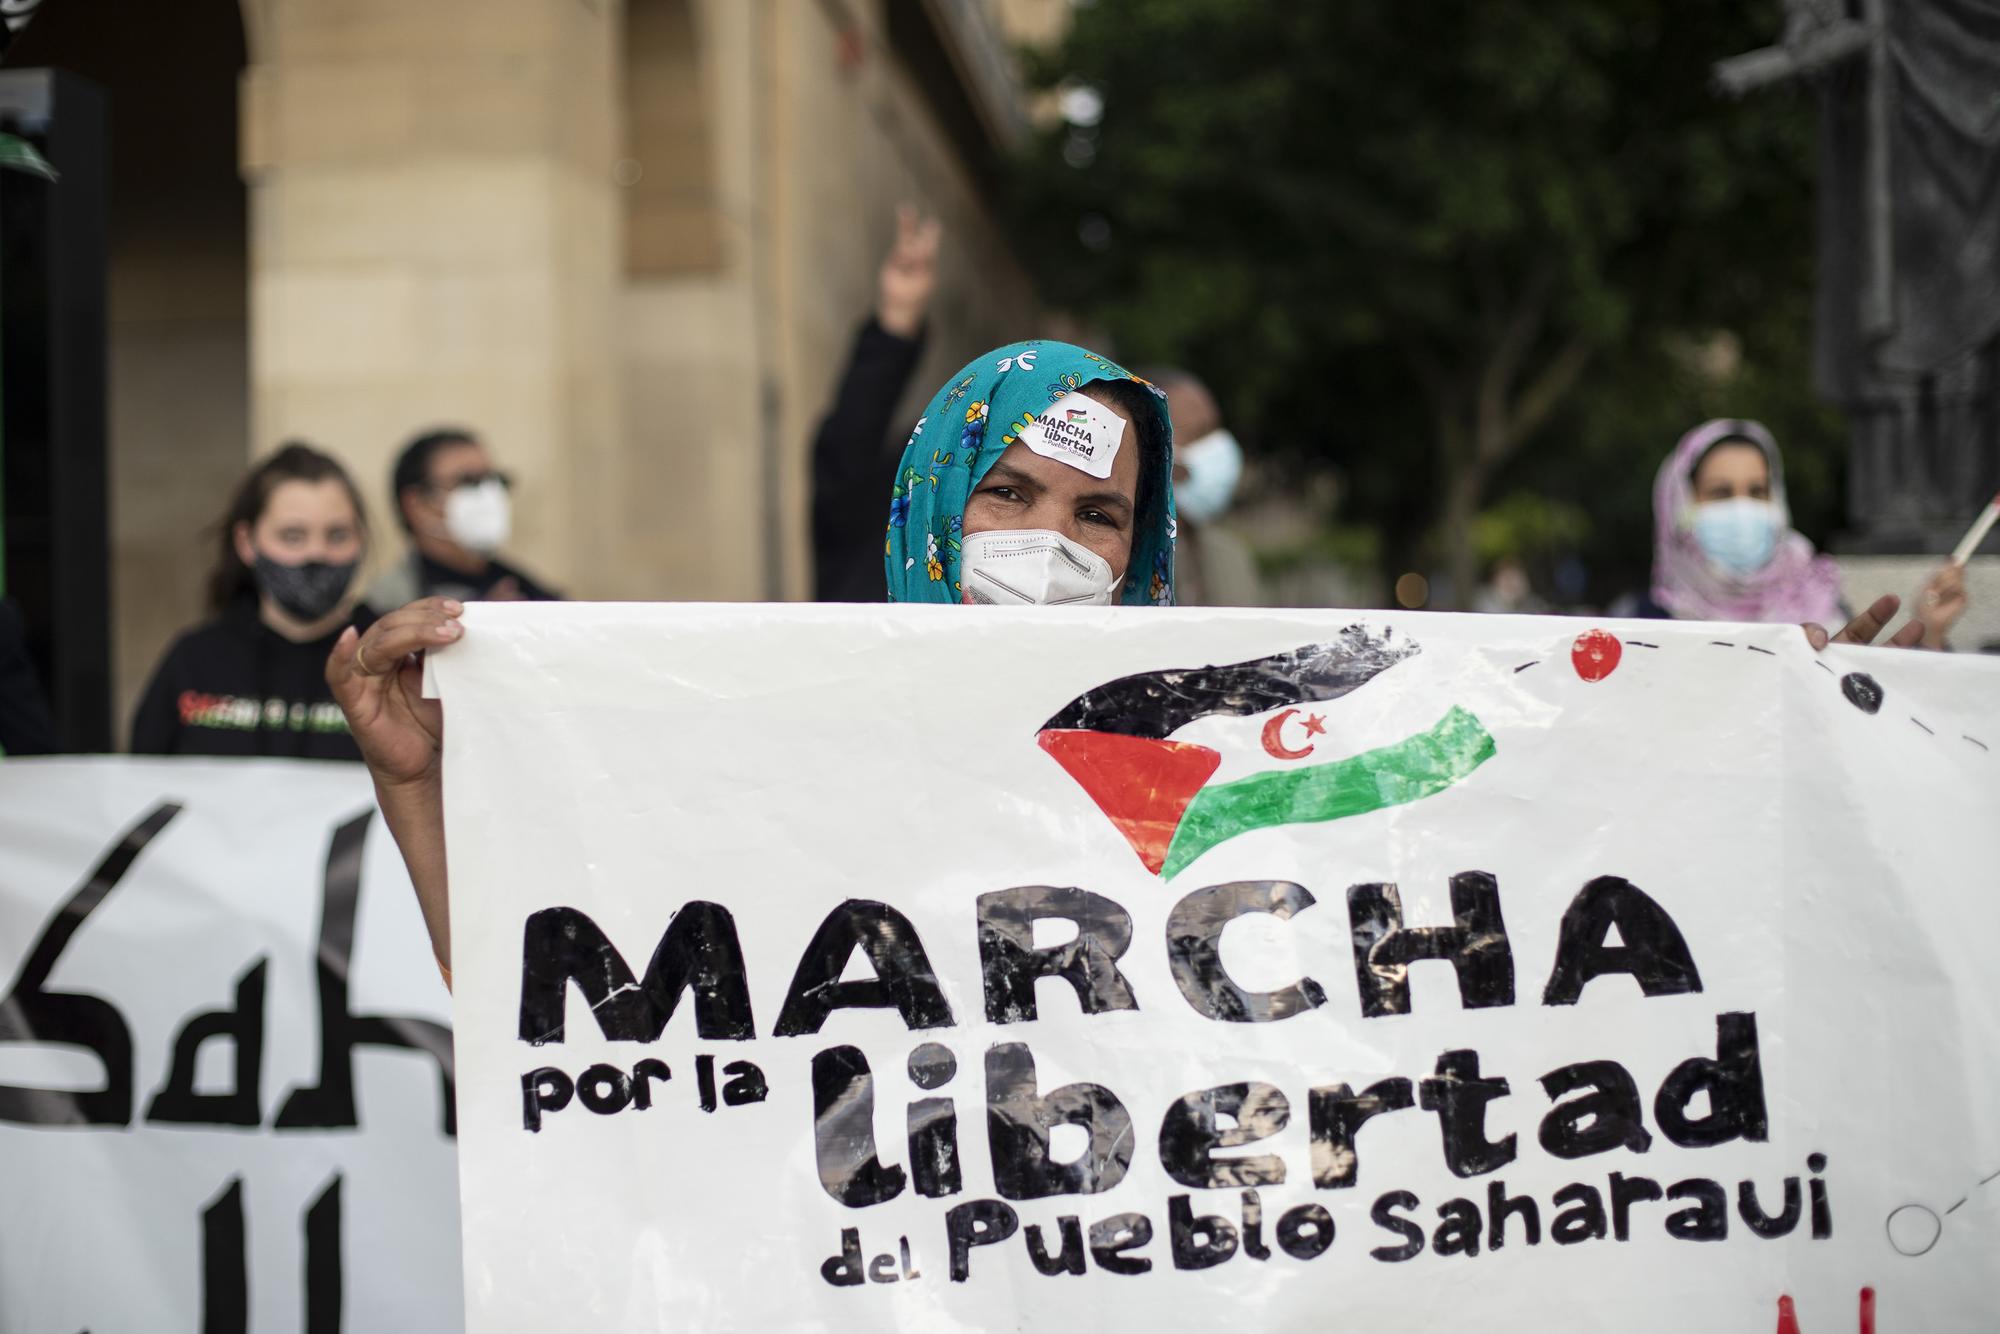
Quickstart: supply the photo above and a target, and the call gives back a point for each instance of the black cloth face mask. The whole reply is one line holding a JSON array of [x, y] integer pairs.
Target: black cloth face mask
[[308, 590]]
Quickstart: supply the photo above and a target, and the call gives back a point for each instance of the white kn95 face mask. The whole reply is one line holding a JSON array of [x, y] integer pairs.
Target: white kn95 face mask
[[1033, 567]]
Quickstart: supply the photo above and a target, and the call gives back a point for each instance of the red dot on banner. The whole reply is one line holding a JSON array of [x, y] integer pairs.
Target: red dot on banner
[[1596, 654]]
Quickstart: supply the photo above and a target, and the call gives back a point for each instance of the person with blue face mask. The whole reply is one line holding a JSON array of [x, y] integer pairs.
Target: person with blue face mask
[[1724, 548], [1215, 566]]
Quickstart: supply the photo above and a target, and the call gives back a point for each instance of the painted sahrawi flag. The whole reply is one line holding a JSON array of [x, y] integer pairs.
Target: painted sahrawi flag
[[1176, 784]]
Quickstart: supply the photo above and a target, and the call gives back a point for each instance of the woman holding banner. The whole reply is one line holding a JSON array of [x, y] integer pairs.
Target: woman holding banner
[[1040, 474]]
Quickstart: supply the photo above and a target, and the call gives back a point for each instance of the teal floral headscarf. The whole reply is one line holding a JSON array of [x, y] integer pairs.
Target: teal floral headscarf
[[968, 426]]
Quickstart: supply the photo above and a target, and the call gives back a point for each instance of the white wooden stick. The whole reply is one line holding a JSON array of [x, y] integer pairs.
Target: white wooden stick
[[1980, 528]]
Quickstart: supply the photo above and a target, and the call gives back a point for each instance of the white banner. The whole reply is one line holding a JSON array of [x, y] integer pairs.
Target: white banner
[[224, 1056], [937, 969]]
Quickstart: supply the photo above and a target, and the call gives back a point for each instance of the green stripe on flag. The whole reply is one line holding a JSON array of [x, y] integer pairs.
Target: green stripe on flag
[[1410, 770]]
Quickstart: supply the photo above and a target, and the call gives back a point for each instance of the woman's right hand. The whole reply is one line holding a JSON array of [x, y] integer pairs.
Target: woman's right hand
[[1863, 628], [378, 680]]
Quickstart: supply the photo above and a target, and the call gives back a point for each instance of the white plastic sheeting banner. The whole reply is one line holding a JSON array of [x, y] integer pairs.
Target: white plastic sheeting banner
[[224, 1056], [948, 969]]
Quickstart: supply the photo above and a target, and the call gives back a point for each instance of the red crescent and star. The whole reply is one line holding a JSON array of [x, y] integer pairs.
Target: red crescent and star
[[1274, 746]]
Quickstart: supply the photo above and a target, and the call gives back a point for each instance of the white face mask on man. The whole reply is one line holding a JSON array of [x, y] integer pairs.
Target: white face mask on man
[[1034, 567], [479, 517]]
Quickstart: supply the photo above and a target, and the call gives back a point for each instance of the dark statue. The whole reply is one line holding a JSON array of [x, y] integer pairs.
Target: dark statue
[[1908, 337]]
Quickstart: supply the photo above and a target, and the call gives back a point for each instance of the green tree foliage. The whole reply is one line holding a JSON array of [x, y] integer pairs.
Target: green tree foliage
[[1448, 248]]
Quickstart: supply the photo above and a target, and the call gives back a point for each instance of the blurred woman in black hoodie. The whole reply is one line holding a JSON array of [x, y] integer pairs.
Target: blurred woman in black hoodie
[[251, 680]]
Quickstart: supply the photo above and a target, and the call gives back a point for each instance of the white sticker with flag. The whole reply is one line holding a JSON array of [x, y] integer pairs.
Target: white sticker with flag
[[1078, 431]]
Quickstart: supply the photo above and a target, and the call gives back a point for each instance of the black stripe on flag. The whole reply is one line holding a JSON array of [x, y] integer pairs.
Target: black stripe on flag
[[1157, 704]]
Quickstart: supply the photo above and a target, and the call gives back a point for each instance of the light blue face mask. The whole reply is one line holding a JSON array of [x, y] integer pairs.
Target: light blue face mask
[[1737, 535], [1214, 465]]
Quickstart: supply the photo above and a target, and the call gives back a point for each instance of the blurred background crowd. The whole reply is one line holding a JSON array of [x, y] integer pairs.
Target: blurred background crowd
[[1619, 307]]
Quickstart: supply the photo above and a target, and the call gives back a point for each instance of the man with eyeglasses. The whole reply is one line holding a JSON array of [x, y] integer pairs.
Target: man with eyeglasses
[[458, 511]]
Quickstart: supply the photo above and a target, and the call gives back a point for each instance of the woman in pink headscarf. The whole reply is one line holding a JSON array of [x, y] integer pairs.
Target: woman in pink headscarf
[[1724, 548]]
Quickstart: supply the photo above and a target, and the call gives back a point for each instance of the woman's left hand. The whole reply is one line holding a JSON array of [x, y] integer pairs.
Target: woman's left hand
[[1941, 604], [1863, 628]]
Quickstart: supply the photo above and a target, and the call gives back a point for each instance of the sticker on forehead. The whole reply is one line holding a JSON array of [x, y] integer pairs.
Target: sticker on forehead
[[1078, 431]]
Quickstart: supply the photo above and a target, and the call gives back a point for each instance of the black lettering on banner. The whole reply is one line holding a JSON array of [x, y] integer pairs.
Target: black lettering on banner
[[1626, 1192], [1385, 1216], [1010, 963], [1112, 1239], [1734, 1082], [1253, 1227], [932, 1065], [746, 1084], [545, 1090], [976, 1223], [1608, 1117], [1583, 1220], [1189, 1136], [30, 1014], [242, 1026], [1475, 945], [704, 1081], [1459, 1096], [323, 1281], [225, 1264], [1069, 1261], [1305, 1231], [933, 1123], [1707, 1219], [330, 1102], [1654, 951], [933, 1136], [844, 1131], [1337, 1114], [844, 1270], [1194, 951], [1763, 1224], [1500, 1206], [904, 978], [1197, 1242], [643, 1075], [1018, 1121], [1457, 1230], [698, 953], [604, 1089], [225, 1275], [1822, 1212]]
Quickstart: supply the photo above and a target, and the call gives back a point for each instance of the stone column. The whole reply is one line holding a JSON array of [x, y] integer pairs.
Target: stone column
[[698, 380], [435, 239]]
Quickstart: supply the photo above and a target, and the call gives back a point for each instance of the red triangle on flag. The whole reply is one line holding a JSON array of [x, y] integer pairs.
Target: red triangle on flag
[[1143, 786]]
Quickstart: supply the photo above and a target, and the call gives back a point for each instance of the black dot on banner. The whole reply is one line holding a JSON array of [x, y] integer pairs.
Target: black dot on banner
[[1816, 1162], [932, 1065], [1863, 691]]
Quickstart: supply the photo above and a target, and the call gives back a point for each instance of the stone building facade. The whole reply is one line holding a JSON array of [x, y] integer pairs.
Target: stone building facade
[[628, 241]]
